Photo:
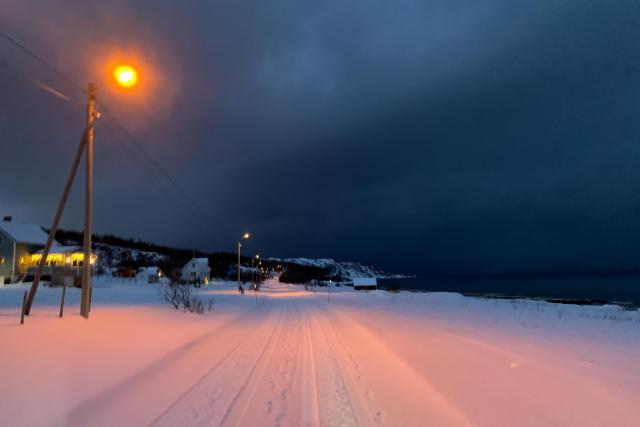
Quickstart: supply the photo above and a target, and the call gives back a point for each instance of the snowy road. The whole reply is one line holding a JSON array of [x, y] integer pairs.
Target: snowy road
[[296, 359], [285, 362]]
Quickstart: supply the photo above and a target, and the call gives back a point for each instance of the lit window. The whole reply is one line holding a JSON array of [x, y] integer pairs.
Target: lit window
[[1, 260]]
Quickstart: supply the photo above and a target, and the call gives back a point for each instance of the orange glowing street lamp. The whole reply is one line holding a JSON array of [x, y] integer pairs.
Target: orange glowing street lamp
[[126, 76]]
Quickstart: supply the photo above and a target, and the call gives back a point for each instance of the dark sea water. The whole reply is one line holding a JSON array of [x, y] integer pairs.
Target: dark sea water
[[596, 288]]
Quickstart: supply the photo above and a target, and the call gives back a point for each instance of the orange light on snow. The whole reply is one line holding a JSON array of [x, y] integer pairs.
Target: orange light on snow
[[126, 76]]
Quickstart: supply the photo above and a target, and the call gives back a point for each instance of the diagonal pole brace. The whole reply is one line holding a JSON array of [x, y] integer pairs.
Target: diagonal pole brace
[[56, 222]]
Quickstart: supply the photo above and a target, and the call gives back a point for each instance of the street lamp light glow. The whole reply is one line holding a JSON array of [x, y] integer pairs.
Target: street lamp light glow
[[126, 76], [246, 236]]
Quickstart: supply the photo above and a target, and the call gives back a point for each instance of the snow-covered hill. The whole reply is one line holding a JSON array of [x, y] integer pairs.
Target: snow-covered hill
[[111, 256], [347, 270]]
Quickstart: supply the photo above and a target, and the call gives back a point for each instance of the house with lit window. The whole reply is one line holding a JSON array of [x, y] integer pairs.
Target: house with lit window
[[196, 271], [21, 249]]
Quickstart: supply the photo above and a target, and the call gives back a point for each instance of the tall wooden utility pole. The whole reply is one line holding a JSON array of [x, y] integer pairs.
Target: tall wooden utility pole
[[85, 300]]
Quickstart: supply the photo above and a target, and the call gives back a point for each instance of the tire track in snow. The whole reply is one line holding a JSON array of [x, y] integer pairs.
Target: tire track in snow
[[371, 360], [374, 412], [267, 398], [307, 384], [211, 399], [335, 405], [174, 371]]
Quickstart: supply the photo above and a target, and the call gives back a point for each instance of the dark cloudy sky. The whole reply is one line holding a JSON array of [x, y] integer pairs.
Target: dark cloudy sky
[[424, 136]]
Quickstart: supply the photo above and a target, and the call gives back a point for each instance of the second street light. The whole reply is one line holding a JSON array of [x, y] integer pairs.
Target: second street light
[[245, 236]]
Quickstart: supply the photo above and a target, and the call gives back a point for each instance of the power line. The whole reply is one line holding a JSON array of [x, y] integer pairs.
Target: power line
[[118, 142], [40, 60], [194, 214], [106, 110], [29, 78], [133, 156], [151, 160]]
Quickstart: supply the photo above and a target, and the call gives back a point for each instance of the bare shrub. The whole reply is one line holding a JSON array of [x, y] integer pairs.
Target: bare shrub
[[183, 297]]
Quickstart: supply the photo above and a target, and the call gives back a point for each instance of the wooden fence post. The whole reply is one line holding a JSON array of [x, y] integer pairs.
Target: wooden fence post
[[64, 290], [24, 305]]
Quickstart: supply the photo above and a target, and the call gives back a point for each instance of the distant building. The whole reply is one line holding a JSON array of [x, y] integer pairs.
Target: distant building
[[196, 271], [125, 272], [21, 247], [365, 283], [149, 274]]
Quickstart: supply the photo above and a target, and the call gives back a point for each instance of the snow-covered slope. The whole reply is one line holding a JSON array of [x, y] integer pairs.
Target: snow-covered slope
[[347, 270], [110, 256]]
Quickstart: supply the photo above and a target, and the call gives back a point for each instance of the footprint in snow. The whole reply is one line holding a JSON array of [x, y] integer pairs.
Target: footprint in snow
[[380, 417]]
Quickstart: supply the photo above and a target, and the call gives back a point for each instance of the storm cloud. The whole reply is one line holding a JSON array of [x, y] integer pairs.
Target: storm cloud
[[424, 136]]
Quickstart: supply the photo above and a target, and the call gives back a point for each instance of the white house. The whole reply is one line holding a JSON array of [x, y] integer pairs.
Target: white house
[[196, 271], [365, 283], [17, 242]]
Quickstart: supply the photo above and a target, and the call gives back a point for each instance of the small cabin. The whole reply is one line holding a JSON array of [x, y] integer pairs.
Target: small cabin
[[149, 274], [365, 283]]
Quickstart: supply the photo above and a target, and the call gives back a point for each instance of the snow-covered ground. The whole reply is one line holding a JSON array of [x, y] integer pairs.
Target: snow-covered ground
[[297, 358]]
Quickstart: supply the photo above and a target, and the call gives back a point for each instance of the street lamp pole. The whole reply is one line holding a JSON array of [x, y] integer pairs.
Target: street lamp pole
[[245, 236], [239, 246], [85, 299]]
